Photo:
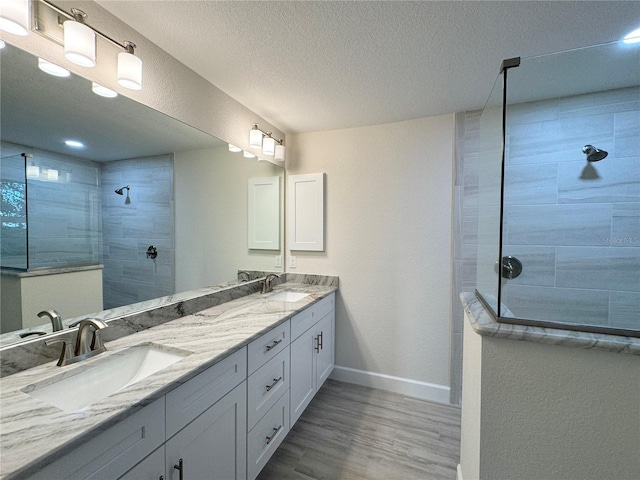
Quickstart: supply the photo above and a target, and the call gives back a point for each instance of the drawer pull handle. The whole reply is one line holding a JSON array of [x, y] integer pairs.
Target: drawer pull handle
[[180, 468], [275, 432], [317, 340], [275, 382], [273, 345], [320, 338]]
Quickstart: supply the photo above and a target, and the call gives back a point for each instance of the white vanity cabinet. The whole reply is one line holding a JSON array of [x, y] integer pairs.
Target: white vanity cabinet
[[312, 353]]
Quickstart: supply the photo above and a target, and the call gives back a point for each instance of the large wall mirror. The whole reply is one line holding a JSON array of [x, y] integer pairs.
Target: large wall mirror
[[152, 205]]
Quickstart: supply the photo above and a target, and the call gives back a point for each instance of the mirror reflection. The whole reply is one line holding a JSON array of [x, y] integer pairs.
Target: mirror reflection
[[146, 207]]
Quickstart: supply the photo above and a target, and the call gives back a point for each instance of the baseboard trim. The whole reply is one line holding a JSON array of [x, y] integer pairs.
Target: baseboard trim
[[404, 386], [459, 472]]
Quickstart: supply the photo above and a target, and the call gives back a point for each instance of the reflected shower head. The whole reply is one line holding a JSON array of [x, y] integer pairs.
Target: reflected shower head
[[119, 191], [593, 154]]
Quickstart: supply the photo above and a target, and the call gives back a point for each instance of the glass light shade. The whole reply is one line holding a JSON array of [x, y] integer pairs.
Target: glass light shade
[[2, 44], [248, 155], [33, 171], [79, 44], [129, 71], [14, 16], [279, 153], [255, 138], [52, 174], [102, 91], [268, 146], [52, 68], [234, 149]]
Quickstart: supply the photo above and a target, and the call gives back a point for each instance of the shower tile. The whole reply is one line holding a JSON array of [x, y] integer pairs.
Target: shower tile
[[134, 227], [138, 272], [625, 225], [567, 305], [538, 265], [562, 225], [122, 249], [112, 271], [618, 181], [531, 184], [532, 112], [624, 308], [627, 136], [609, 101], [599, 268]]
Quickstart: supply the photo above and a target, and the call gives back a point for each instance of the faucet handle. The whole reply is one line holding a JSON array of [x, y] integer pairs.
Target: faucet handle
[[66, 353]]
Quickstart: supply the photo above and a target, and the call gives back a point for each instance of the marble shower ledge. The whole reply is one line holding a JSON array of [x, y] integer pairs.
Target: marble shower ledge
[[485, 325], [34, 433], [39, 272]]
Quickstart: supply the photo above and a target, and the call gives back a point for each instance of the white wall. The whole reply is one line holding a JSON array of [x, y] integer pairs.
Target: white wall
[[388, 198], [211, 217], [549, 411]]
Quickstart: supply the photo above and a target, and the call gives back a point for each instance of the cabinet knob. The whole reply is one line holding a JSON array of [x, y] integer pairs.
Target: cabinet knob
[[180, 468]]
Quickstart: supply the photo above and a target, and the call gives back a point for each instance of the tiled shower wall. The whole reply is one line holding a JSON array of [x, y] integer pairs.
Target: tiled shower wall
[[130, 227], [574, 226], [64, 211]]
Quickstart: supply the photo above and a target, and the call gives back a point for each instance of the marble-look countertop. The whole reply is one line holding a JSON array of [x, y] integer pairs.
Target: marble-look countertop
[[485, 325], [33, 433]]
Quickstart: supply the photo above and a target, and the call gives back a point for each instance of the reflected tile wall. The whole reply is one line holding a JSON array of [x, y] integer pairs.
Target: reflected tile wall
[[130, 228]]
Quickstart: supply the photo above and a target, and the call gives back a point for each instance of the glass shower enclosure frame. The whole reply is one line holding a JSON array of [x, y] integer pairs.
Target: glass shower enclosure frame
[[558, 195]]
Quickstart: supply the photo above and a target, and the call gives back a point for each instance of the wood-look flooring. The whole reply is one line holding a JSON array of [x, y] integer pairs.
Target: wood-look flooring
[[349, 432]]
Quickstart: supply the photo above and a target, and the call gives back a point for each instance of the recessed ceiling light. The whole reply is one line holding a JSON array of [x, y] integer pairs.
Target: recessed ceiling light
[[74, 144], [103, 91], [632, 37], [52, 68]]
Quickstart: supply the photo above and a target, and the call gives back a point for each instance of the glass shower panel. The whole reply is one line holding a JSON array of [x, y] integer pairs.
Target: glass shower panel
[[572, 187], [489, 188], [13, 211]]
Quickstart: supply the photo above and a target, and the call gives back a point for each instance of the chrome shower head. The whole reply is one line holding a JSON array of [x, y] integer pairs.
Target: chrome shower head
[[593, 154], [119, 191]]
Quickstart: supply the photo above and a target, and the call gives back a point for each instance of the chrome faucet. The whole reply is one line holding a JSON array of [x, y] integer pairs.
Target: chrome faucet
[[266, 284], [88, 342], [56, 319]]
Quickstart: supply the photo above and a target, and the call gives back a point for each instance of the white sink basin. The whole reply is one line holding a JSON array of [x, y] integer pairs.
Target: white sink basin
[[81, 387], [286, 296]]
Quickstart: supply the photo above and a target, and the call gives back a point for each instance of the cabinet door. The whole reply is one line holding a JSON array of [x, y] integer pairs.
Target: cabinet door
[[325, 357], [214, 445], [151, 468], [303, 376]]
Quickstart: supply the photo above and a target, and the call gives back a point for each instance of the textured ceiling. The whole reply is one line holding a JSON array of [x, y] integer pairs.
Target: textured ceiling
[[321, 65]]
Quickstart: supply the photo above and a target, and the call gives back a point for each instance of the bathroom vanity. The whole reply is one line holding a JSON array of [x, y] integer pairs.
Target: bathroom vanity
[[245, 371]]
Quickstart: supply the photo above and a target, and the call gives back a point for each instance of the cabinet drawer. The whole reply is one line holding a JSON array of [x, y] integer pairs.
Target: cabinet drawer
[[196, 395], [266, 386], [266, 347], [266, 436], [325, 306], [112, 453], [303, 321]]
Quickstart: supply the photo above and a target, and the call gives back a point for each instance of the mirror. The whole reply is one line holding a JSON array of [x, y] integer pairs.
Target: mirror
[[179, 218]]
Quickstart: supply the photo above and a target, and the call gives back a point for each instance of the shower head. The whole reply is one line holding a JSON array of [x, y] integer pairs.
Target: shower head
[[593, 154], [120, 190]]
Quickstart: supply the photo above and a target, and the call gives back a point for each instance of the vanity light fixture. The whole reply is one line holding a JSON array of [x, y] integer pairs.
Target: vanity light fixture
[[246, 154], [52, 69], [129, 68], [268, 144], [102, 91], [79, 40], [14, 17], [234, 149], [2, 44], [632, 37]]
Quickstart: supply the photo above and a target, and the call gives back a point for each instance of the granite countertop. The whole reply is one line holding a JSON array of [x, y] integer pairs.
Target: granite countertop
[[34, 433], [485, 325]]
